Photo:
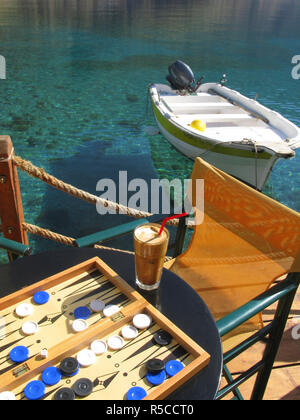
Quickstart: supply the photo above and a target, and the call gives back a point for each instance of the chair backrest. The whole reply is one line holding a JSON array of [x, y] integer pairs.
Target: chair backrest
[[245, 242]]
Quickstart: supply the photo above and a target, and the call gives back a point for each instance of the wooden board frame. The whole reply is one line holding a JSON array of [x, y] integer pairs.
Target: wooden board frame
[[35, 365], [92, 264]]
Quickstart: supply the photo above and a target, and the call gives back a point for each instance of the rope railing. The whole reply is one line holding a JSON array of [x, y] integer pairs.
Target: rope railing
[[41, 174], [12, 223], [48, 234], [62, 239], [66, 240]]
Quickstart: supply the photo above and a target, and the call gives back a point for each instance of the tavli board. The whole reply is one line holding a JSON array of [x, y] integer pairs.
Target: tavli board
[[113, 372]]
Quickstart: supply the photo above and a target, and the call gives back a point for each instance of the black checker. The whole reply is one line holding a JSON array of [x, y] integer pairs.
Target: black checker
[[64, 394], [162, 338], [69, 366], [83, 387], [155, 365]]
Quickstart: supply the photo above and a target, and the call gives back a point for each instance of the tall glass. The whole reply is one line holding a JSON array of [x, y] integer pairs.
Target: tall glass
[[150, 251]]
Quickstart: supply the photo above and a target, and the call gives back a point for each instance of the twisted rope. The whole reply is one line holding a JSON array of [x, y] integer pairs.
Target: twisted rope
[[66, 240], [41, 174], [48, 234], [62, 239]]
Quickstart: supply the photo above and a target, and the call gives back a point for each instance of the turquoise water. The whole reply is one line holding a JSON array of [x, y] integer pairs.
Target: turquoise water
[[75, 98]]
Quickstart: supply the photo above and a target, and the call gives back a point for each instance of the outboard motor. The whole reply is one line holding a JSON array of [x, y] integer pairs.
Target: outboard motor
[[181, 76]]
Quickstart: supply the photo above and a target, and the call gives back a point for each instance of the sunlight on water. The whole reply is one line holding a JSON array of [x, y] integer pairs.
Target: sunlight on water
[[75, 96]]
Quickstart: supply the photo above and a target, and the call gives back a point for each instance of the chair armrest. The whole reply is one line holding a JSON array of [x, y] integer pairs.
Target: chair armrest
[[108, 233], [114, 232], [15, 247], [258, 304]]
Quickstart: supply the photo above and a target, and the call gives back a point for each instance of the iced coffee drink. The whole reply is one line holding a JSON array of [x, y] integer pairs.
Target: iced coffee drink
[[150, 251]]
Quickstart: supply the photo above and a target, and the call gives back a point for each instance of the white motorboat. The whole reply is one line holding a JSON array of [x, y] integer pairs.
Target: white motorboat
[[232, 132]]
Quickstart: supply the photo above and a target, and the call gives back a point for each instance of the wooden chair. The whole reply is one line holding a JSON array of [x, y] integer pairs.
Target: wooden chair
[[245, 242], [244, 256]]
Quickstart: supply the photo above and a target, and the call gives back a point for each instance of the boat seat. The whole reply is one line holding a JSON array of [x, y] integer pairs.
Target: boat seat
[[220, 120], [205, 109], [222, 124], [202, 105], [205, 97], [233, 117], [219, 117]]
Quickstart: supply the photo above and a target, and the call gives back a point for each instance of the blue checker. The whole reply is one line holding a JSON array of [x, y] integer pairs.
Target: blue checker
[[34, 390], [40, 298], [82, 312], [19, 354], [173, 367], [51, 376], [156, 378], [136, 393]]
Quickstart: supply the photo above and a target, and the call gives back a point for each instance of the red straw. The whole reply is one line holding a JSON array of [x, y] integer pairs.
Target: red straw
[[176, 216]]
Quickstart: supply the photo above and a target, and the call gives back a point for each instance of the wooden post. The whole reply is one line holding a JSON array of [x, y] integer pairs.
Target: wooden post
[[11, 209]]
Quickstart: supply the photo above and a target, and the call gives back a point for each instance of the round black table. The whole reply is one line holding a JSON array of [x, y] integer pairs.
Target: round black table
[[177, 301]]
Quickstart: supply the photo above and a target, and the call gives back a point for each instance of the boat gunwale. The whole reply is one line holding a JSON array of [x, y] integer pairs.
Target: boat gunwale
[[203, 142], [207, 144]]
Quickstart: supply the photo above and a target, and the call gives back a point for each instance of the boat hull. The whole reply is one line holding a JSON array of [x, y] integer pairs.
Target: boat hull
[[244, 164]]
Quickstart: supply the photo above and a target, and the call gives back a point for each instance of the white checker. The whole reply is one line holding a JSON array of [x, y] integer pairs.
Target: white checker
[[86, 358], [99, 347], [7, 396], [115, 342], [129, 332], [97, 305], [30, 328], [142, 321], [24, 309], [79, 325], [110, 310]]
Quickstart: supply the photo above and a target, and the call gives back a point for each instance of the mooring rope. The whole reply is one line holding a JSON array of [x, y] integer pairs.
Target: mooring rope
[[40, 173]]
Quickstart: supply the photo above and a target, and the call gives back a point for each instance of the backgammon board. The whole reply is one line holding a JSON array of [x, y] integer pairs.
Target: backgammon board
[[85, 333]]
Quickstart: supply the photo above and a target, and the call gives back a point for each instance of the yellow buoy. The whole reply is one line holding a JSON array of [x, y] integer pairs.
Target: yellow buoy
[[198, 125]]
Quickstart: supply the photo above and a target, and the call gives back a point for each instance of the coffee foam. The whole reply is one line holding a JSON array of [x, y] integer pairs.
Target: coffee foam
[[149, 234]]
